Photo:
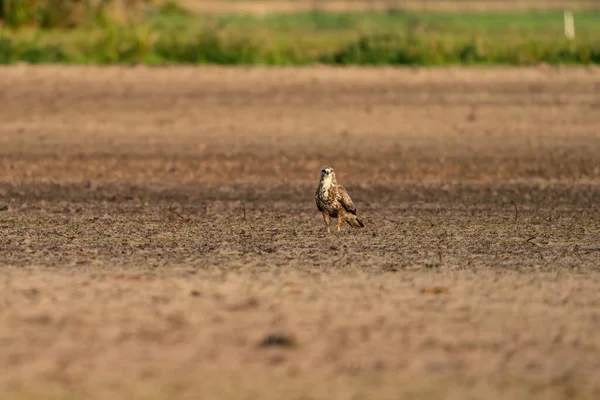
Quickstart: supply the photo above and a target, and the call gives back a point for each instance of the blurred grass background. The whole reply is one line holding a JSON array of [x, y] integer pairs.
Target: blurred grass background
[[395, 32]]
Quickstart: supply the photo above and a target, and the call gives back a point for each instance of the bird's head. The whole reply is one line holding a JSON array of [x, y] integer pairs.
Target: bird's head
[[328, 175]]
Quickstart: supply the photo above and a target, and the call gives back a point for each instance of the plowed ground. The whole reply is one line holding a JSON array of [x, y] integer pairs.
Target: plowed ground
[[158, 225]]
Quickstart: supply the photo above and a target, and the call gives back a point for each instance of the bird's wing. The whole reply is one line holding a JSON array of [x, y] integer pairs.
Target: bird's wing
[[345, 199], [317, 201]]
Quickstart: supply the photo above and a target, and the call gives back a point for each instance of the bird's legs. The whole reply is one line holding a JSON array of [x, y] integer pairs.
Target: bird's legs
[[326, 218], [340, 221]]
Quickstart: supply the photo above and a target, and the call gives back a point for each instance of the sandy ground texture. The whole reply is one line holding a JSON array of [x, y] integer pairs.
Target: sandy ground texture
[[159, 236]]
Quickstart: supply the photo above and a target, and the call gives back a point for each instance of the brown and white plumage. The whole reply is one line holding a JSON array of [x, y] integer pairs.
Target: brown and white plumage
[[333, 201]]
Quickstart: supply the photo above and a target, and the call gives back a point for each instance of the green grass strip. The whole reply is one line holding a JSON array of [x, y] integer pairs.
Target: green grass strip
[[387, 38]]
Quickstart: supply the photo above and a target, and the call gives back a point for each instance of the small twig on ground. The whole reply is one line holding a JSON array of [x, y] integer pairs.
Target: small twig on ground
[[244, 208], [516, 211], [590, 249], [63, 235], [171, 209], [278, 340], [530, 240], [435, 290]]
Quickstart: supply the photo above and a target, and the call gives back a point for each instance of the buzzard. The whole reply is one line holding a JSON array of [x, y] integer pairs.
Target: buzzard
[[333, 201]]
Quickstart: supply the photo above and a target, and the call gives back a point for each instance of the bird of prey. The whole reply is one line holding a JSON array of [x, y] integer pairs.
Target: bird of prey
[[333, 201]]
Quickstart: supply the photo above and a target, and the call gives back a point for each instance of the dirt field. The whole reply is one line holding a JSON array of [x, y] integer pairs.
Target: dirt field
[[476, 275]]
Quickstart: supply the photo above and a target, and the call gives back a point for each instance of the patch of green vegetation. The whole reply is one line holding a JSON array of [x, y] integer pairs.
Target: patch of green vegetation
[[167, 34], [413, 50]]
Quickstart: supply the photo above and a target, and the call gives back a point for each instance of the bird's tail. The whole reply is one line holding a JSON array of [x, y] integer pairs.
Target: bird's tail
[[353, 221]]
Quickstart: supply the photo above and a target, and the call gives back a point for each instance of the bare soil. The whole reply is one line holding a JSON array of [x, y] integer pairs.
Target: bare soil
[[159, 236]]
